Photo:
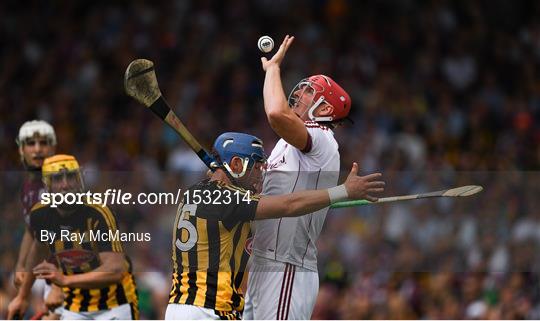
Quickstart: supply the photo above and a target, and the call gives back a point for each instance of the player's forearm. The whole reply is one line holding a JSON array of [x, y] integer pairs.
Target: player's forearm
[[36, 253], [26, 286], [93, 279], [111, 271], [275, 102], [283, 120], [301, 203], [34, 256], [296, 204]]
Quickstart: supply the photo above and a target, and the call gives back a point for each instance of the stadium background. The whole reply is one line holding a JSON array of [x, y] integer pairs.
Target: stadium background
[[443, 92]]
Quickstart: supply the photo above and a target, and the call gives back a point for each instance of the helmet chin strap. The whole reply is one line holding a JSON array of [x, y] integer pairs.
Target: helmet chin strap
[[245, 163], [312, 110]]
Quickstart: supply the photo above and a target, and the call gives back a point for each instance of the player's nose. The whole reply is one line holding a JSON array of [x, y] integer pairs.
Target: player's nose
[[38, 147], [64, 184]]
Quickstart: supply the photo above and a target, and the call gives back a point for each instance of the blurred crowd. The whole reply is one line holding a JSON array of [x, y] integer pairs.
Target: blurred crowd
[[472, 258], [444, 93]]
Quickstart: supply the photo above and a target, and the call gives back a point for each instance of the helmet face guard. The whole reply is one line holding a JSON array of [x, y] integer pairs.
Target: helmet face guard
[[62, 167], [252, 182], [69, 176], [302, 87], [247, 163], [247, 147], [323, 90]]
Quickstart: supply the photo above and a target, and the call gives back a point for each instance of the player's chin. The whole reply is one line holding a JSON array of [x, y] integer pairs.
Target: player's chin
[[35, 163], [38, 160]]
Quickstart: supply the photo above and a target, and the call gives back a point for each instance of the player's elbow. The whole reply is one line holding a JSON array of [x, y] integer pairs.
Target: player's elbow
[[116, 275], [116, 271], [275, 118]]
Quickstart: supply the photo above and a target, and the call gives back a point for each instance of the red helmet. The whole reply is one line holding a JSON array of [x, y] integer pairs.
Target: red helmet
[[325, 89]]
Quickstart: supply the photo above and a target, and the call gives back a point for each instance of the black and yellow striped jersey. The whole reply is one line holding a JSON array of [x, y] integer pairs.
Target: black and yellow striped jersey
[[208, 249], [75, 252]]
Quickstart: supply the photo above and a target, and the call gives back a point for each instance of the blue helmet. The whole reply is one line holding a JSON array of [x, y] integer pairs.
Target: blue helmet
[[247, 147]]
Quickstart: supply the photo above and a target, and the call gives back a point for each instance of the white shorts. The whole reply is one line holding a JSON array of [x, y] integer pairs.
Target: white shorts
[[280, 291], [122, 312], [192, 312]]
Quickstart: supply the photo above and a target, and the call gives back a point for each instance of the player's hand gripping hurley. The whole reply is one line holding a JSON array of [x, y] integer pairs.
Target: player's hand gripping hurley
[[141, 84]]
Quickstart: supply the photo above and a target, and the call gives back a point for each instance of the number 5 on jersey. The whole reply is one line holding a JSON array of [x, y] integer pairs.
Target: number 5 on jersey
[[188, 232]]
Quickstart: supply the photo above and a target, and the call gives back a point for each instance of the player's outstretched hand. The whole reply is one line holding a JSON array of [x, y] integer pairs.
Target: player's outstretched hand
[[279, 55], [362, 187]]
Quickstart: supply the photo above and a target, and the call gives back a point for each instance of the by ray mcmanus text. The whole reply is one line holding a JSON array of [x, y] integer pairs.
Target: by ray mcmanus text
[[65, 235]]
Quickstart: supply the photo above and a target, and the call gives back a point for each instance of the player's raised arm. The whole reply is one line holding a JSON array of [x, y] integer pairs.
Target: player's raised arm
[[304, 202], [283, 120]]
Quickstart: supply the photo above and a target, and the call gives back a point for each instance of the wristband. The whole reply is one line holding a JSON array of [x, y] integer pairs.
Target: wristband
[[338, 193]]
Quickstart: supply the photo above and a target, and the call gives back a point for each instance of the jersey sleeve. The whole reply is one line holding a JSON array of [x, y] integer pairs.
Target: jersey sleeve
[[320, 142], [241, 208], [222, 202], [104, 223], [243, 211]]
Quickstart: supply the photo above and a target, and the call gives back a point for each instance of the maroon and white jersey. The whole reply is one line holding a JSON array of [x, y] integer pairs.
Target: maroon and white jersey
[[293, 240], [31, 192]]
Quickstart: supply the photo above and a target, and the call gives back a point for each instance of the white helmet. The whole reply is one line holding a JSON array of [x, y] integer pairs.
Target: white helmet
[[32, 127]]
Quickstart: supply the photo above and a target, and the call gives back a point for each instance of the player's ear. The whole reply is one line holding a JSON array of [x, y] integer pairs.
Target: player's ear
[[236, 164], [325, 110]]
